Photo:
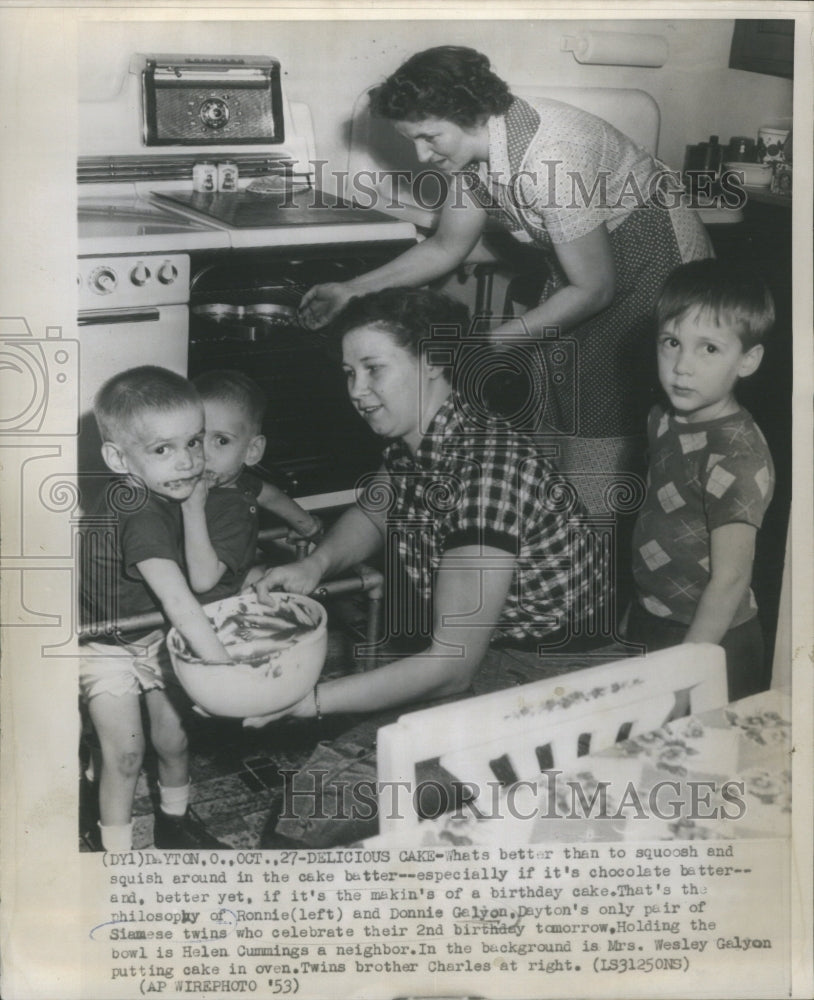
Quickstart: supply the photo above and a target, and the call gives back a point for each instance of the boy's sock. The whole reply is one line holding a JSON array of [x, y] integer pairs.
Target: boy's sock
[[174, 801], [117, 838]]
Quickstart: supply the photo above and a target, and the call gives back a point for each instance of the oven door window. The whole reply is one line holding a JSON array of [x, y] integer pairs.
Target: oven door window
[[316, 442]]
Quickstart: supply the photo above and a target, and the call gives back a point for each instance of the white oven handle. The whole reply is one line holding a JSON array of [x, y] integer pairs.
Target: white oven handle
[[101, 318]]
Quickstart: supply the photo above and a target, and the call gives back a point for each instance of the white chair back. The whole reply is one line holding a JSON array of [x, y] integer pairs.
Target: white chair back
[[516, 734]]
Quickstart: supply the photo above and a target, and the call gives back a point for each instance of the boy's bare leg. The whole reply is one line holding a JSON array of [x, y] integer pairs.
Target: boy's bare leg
[[117, 720], [175, 825], [169, 739]]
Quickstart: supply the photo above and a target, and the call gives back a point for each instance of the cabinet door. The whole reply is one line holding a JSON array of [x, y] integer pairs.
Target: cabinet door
[[763, 46]]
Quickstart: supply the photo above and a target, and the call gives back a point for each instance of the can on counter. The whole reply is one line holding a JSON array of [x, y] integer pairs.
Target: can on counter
[[227, 176], [205, 176]]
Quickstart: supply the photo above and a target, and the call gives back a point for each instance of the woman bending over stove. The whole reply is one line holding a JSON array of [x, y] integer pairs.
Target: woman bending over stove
[[608, 218]]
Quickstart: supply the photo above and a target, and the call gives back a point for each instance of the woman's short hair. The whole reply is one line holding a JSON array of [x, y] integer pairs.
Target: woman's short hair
[[126, 396], [449, 82], [730, 293], [409, 315]]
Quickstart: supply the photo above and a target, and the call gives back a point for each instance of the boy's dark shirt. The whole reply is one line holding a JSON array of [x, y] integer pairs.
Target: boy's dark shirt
[[128, 525], [232, 521]]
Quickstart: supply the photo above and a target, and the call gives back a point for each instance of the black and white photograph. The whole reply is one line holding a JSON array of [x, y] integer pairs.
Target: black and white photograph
[[407, 501]]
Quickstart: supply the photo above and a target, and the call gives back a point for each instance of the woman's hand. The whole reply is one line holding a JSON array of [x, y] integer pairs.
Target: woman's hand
[[294, 578], [305, 708], [321, 303]]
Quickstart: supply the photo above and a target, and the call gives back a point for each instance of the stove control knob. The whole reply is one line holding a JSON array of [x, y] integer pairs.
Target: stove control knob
[[140, 274], [167, 273], [103, 280]]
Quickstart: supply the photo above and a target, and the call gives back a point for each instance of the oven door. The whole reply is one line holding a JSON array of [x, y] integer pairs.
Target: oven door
[[111, 341], [317, 445]]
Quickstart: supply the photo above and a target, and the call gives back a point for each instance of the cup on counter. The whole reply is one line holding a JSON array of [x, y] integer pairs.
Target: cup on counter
[[770, 142]]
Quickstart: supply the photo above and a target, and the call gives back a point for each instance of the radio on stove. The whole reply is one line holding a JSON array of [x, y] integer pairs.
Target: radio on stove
[[211, 100]]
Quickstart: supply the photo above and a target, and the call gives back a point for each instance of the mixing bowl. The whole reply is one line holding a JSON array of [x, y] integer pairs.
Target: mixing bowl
[[277, 650]]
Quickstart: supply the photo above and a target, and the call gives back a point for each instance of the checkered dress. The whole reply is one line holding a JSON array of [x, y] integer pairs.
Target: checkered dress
[[702, 476], [475, 481]]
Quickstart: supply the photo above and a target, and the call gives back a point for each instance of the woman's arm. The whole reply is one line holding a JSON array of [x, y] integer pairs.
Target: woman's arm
[[732, 552], [354, 537], [589, 268], [469, 594], [203, 565], [460, 224]]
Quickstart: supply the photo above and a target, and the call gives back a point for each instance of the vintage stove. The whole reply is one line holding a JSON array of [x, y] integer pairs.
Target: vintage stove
[[154, 253]]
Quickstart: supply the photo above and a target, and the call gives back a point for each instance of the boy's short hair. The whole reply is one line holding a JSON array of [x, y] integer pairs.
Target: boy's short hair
[[229, 386], [730, 293], [130, 393]]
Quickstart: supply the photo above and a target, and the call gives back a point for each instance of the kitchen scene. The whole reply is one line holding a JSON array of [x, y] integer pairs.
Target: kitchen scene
[[236, 182]]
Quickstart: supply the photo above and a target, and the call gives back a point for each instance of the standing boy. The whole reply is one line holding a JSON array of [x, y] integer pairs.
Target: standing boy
[[710, 475], [151, 422]]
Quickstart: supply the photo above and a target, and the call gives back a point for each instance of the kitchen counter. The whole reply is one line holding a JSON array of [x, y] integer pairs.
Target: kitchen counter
[[286, 219], [126, 221], [765, 196]]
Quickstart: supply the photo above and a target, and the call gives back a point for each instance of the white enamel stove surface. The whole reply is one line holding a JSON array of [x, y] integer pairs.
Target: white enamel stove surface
[[115, 219], [124, 217]]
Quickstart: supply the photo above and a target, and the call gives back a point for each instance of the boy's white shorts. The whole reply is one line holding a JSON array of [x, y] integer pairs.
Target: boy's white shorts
[[126, 668]]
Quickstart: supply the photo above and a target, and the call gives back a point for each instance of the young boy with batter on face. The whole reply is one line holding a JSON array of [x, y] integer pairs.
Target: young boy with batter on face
[[710, 476], [221, 514], [151, 422]]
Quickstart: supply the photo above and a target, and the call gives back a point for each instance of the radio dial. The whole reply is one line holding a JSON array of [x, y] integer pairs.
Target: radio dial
[[140, 275], [214, 113], [103, 280], [167, 273]]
